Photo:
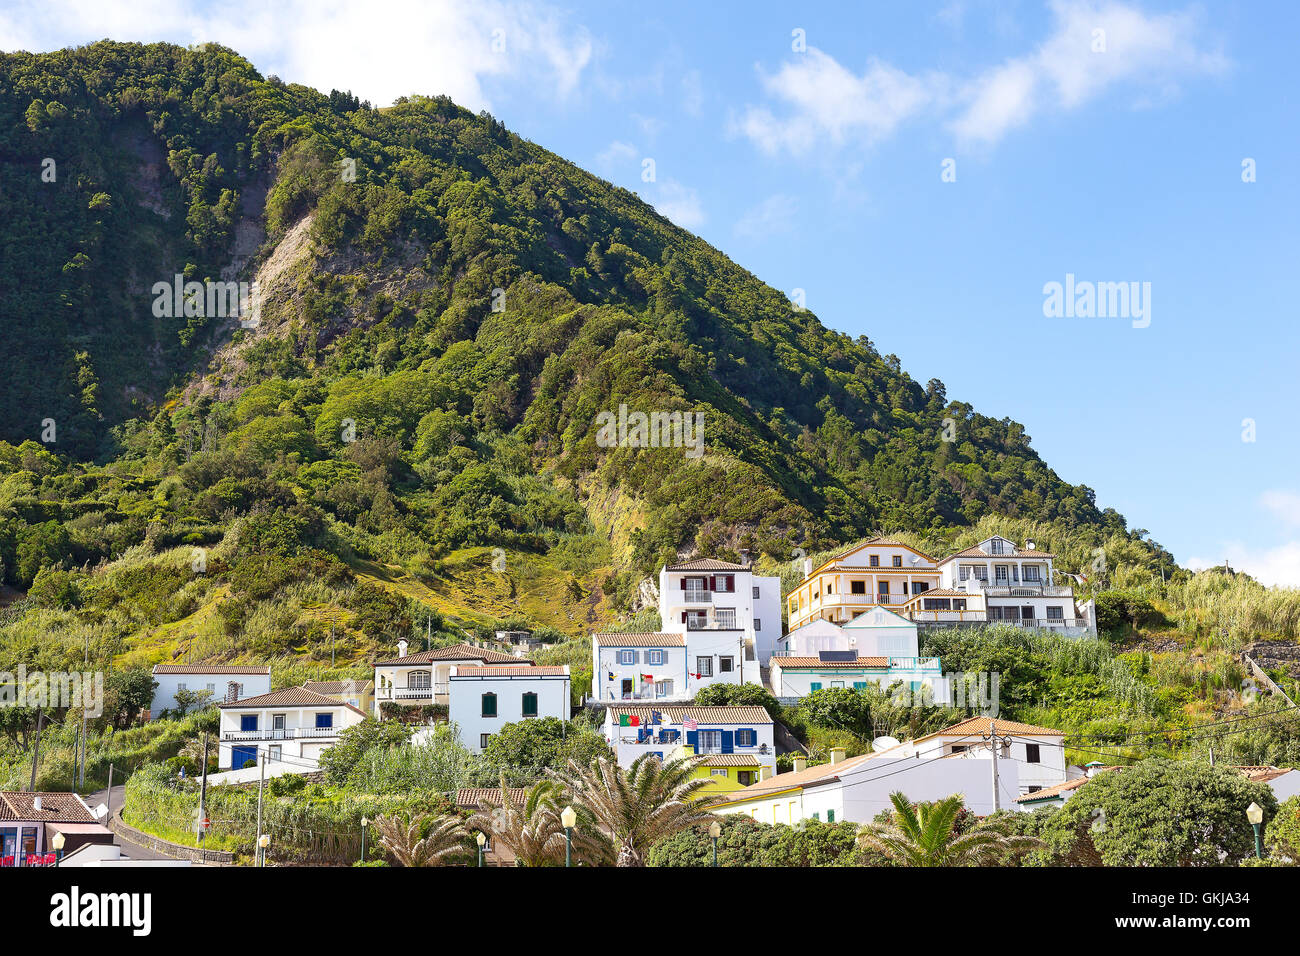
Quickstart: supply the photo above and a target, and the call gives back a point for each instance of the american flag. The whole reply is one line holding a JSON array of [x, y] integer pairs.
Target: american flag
[[689, 724]]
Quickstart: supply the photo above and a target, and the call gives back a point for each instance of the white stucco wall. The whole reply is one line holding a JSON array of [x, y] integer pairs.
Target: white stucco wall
[[468, 688]]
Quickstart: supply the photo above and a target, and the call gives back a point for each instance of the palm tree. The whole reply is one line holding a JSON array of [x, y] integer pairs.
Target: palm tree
[[401, 838], [925, 835], [531, 830], [625, 812]]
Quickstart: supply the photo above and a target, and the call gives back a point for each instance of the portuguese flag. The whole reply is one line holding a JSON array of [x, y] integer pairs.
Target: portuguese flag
[[629, 720]]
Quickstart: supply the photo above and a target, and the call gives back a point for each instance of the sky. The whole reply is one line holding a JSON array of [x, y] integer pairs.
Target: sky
[[920, 174]]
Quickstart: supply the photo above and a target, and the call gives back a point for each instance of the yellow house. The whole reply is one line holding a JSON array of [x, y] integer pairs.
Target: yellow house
[[724, 772], [360, 694], [879, 572]]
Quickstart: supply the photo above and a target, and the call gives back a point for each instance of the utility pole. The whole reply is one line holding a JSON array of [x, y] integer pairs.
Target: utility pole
[[83, 721], [994, 742], [203, 793], [261, 783], [109, 799], [36, 749]]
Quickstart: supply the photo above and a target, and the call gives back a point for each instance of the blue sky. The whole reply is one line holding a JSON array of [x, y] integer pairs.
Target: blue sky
[[1114, 156]]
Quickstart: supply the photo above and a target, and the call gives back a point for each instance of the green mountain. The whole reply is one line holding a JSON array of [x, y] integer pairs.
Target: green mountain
[[409, 436]]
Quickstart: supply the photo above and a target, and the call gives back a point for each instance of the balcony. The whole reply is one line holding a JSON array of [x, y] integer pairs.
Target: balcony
[[1028, 589], [915, 664], [283, 733], [696, 597], [412, 694]]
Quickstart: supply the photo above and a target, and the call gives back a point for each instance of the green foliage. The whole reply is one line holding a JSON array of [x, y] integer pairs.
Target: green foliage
[[525, 749], [1160, 813], [746, 842]]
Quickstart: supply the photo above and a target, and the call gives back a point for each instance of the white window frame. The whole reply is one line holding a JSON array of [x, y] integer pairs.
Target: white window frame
[[704, 666], [626, 657], [654, 658]]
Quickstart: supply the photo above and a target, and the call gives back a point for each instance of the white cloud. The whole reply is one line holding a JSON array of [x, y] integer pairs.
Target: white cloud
[[616, 154], [692, 93], [813, 99], [380, 50], [1284, 505], [1278, 566], [826, 100], [679, 203], [1067, 70], [774, 216]]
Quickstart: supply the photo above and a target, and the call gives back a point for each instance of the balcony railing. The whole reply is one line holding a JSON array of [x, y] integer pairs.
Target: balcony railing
[[283, 733], [697, 597], [915, 664], [411, 693], [1028, 589]]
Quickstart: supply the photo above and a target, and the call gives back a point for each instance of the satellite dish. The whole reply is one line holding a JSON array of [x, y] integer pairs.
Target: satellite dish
[[883, 743], [100, 812]]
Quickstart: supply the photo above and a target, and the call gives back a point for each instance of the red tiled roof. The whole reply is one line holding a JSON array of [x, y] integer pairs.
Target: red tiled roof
[[55, 807], [675, 713], [549, 670], [471, 798], [647, 639], [251, 669], [332, 687], [289, 697], [457, 652], [708, 564], [859, 664], [974, 726]]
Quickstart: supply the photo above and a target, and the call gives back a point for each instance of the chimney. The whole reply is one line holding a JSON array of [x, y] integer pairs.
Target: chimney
[[800, 764], [401, 648], [837, 755], [807, 567], [36, 804], [765, 773], [744, 556]]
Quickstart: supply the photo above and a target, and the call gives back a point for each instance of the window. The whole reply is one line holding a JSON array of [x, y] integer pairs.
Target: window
[[898, 560], [704, 666], [814, 685], [277, 721], [1031, 753], [627, 657], [875, 561], [726, 617], [920, 587], [959, 749], [758, 623], [276, 751], [489, 704], [1034, 789], [627, 688], [324, 721], [1000, 574], [530, 705], [1055, 613], [837, 684], [724, 665], [1031, 574], [710, 741], [963, 572], [857, 587], [995, 546], [816, 815], [982, 572], [210, 688], [248, 721], [830, 588], [418, 680], [745, 778], [718, 772], [830, 816], [746, 737], [724, 583], [882, 587], [483, 740], [664, 688], [755, 594], [180, 687], [859, 685], [959, 604], [654, 657]]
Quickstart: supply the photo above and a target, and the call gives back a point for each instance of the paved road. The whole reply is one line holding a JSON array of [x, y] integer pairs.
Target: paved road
[[132, 851]]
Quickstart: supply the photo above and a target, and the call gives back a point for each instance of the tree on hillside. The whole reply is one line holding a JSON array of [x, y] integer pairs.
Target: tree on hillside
[[419, 840], [1162, 813]]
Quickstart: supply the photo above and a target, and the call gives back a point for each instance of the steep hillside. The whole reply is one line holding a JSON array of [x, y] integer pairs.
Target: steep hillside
[[411, 429]]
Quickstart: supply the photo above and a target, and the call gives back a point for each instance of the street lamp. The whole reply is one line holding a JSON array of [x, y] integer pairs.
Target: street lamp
[[480, 838], [1255, 814], [262, 843], [568, 819], [57, 844], [365, 822], [715, 831]]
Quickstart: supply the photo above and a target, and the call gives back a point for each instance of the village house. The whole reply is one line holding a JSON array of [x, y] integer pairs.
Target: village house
[[485, 698], [472, 799], [635, 730], [423, 678], [29, 823], [294, 726], [647, 667], [879, 572], [221, 682], [1018, 586], [707, 595], [954, 760]]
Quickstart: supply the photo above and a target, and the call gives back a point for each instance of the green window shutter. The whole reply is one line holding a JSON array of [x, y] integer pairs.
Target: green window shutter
[[489, 705], [859, 685], [530, 705], [815, 685], [830, 816]]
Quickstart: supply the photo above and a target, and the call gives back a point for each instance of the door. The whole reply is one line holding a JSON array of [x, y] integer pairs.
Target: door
[[627, 688], [241, 755]]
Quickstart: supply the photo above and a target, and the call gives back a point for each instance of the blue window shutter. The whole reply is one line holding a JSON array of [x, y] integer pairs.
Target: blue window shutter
[[693, 738], [815, 685], [324, 720], [859, 685], [248, 721], [728, 742]]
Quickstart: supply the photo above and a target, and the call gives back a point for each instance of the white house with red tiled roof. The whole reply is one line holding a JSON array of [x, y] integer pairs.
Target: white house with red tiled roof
[[633, 731], [879, 572], [649, 667], [293, 726], [706, 596], [487, 697], [221, 682], [30, 821], [1017, 585], [422, 678]]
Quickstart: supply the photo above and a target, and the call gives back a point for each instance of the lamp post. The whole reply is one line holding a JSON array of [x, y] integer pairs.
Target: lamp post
[[263, 842], [365, 822], [715, 831], [480, 838], [569, 819], [1255, 814], [57, 843]]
